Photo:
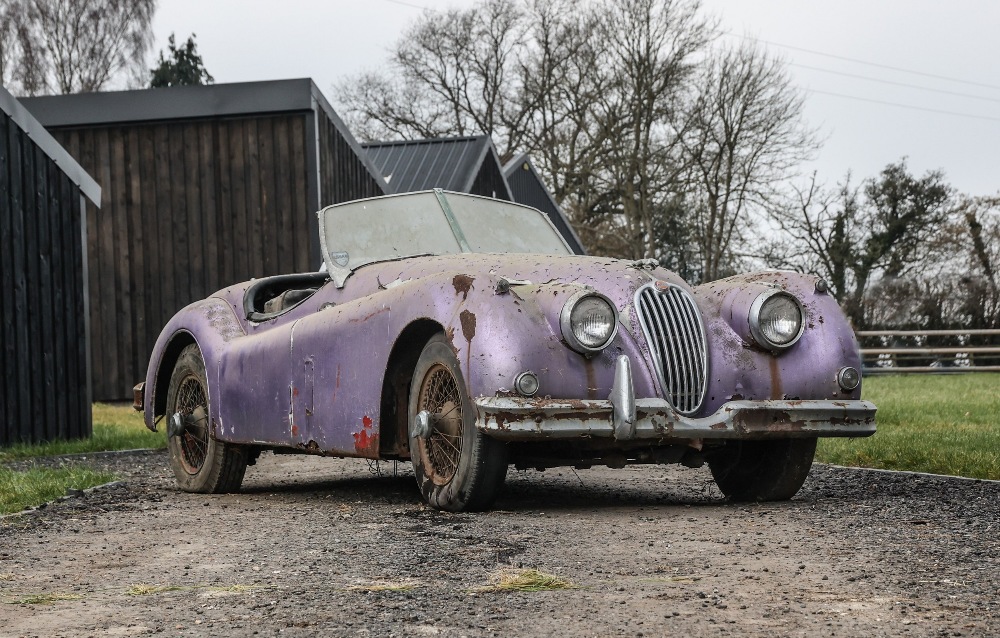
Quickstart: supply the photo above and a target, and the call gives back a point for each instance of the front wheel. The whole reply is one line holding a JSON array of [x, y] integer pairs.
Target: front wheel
[[200, 462], [771, 470], [457, 467]]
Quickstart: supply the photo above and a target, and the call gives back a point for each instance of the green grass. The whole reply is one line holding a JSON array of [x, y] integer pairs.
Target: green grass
[[21, 489], [116, 427], [943, 424]]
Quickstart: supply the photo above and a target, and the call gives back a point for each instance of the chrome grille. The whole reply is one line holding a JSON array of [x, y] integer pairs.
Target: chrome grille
[[672, 325]]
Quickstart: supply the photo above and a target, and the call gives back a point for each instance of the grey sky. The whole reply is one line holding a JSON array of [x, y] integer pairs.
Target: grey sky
[[248, 40]]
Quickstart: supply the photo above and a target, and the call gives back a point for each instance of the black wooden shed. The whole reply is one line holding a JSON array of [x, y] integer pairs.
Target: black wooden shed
[[202, 187], [45, 392]]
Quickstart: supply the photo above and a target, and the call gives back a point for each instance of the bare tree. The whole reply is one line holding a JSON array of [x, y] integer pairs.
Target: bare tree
[[594, 91], [76, 46], [876, 234], [744, 139]]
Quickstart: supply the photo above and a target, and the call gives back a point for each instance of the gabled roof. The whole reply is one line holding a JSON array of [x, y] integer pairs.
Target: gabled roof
[[450, 163], [527, 187], [27, 122]]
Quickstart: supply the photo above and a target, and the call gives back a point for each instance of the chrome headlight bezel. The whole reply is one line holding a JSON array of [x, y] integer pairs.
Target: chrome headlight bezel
[[758, 334], [566, 322]]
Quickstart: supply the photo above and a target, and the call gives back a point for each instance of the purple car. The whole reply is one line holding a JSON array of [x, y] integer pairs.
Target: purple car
[[461, 333]]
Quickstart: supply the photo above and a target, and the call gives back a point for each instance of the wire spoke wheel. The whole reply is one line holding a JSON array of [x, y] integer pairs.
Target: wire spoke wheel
[[440, 396], [193, 408], [200, 462], [457, 467]]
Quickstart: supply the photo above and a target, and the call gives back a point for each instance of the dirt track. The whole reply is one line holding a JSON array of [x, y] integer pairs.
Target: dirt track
[[654, 551]]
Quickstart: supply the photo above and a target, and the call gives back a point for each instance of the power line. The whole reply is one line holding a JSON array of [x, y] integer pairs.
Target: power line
[[890, 82], [865, 62], [410, 4], [903, 106]]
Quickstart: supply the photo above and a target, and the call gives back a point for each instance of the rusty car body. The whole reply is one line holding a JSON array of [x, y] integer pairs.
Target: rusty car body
[[460, 333]]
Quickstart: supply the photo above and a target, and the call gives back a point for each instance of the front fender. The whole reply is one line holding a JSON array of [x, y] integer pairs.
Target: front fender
[[740, 369], [211, 323]]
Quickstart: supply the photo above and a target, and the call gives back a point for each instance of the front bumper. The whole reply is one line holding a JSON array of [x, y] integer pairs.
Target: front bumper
[[624, 418]]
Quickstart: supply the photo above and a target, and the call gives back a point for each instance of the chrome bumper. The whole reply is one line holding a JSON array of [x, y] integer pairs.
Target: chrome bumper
[[625, 418]]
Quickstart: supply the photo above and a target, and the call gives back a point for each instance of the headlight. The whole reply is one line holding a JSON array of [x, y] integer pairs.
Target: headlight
[[589, 321], [776, 320]]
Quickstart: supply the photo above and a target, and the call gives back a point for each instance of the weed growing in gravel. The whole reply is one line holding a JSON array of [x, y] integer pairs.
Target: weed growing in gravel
[[21, 489], [942, 424], [43, 599], [116, 427], [145, 590], [525, 580], [236, 589]]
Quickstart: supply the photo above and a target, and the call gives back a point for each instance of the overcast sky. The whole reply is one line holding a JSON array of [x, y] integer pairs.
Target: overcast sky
[[914, 78]]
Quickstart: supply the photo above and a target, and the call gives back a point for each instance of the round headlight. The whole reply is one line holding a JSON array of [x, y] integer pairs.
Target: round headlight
[[776, 320], [589, 321]]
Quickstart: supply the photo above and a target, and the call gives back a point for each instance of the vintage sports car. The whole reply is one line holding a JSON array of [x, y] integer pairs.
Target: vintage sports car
[[461, 333]]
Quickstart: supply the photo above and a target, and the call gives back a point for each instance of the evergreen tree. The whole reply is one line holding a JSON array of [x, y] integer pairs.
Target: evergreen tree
[[183, 67]]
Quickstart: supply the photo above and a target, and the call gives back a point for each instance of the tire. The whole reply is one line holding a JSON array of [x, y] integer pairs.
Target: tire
[[458, 468], [762, 470], [200, 462]]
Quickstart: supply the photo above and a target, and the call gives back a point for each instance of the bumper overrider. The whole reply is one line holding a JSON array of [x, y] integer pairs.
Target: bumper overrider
[[625, 418]]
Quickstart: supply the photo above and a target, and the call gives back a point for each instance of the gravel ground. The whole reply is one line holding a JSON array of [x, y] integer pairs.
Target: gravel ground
[[305, 548]]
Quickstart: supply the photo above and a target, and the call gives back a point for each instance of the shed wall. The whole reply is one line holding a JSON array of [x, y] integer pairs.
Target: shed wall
[[188, 207], [43, 339]]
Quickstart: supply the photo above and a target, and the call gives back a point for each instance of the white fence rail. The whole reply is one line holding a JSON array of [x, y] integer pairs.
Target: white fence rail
[[929, 351]]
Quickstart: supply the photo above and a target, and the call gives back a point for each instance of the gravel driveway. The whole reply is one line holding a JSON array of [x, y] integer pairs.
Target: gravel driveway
[[328, 547]]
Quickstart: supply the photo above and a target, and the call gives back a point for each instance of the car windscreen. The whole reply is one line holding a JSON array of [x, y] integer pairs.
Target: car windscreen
[[386, 228], [495, 226], [432, 222]]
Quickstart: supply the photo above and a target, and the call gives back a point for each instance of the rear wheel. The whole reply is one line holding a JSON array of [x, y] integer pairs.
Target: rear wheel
[[771, 470], [200, 462], [457, 467]]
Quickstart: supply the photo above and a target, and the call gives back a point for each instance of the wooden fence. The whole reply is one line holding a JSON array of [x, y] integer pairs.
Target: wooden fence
[[929, 351]]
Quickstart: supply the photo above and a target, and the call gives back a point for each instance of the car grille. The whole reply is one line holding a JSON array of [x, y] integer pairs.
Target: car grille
[[672, 325]]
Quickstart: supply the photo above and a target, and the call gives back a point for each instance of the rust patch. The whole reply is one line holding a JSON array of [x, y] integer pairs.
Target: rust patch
[[775, 378], [370, 315], [588, 365], [462, 284], [468, 320], [366, 441], [295, 430]]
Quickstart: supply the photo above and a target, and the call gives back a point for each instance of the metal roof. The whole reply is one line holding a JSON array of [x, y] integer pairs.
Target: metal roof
[[450, 163], [36, 131]]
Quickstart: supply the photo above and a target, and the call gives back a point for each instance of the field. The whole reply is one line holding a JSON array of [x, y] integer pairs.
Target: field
[[942, 424]]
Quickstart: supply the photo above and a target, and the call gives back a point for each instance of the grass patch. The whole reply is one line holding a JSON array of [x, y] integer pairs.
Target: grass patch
[[942, 424], [148, 590], [38, 485], [236, 589], [116, 427], [525, 580], [43, 599]]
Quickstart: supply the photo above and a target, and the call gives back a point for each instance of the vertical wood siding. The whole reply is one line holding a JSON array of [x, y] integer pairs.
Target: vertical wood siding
[[187, 208], [490, 181], [343, 176], [43, 392]]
